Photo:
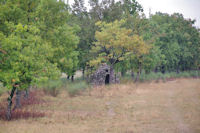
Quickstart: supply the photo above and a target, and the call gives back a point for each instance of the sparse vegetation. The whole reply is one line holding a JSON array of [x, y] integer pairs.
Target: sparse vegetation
[[75, 88], [51, 87], [164, 107], [162, 76], [34, 99]]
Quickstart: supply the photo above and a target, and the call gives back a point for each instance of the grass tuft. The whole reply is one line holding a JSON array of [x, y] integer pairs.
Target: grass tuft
[[74, 89], [166, 76], [52, 87]]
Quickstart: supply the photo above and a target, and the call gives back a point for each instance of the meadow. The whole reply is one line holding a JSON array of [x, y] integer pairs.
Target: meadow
[[172, 106]]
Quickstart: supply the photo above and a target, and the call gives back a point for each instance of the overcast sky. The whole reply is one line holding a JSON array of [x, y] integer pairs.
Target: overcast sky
[[189, 8]]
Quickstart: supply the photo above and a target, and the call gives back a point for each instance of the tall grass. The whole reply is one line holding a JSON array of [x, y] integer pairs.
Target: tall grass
[[53, 87], [74, 89], [160, 76]]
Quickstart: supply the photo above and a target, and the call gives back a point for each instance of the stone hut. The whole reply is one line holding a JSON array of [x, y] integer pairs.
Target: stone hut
[[103, 76]]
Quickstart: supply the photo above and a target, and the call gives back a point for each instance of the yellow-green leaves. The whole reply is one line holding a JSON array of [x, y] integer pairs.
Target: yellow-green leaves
[[114, 42]]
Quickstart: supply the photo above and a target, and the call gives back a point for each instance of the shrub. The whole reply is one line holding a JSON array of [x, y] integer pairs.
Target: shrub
[[195, 74], [76, 87], [52, 87], [169, 75]]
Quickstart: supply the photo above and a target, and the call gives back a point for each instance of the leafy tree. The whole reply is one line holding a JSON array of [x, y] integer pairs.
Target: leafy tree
[[178, 40], [86, 34], [53, 18], [36, 45], [114, 43], [20, 66], [132, 7]]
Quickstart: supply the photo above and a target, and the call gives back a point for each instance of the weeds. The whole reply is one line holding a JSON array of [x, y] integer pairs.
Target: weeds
[[167, 76], [75, 88], [22, 113], [52, 87]]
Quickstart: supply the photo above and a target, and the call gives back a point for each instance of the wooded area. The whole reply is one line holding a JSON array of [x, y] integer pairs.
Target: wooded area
[[40, 39]]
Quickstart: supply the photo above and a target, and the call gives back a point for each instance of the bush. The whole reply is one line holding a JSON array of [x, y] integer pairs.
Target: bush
[[157, 76], [52, 87], [76, 87], [195, 74]]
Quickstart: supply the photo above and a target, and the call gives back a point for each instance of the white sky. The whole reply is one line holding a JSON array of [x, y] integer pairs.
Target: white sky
[[189, 8]]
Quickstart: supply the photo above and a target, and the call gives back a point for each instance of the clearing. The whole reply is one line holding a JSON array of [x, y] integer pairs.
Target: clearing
[[163, 107]]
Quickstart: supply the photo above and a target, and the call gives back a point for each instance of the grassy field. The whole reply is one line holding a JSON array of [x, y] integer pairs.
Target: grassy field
[[150, 107]]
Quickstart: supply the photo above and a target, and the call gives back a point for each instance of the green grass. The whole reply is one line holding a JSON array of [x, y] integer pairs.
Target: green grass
[[157, 76], [53, 87], [75, 88]]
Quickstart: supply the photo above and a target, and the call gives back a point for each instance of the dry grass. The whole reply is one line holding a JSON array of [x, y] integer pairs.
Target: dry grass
[[170, 107]]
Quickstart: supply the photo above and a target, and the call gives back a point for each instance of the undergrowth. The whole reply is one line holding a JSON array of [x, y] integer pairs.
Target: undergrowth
[[74, 89], [160, 76], [53, 87], [22, 113]]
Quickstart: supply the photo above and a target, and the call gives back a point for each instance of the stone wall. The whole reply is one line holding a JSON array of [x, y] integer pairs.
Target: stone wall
[[99, 77]]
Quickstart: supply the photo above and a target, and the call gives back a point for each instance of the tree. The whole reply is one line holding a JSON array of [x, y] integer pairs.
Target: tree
[[34, 47], [178, 41], [53, 19], [20, 66], [114, 43], [81, 17], [131, 7]]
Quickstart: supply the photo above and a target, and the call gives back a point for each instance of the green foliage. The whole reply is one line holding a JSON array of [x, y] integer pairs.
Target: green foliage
[[20, 65], [39, 39], [156, 76], [53, 18], [114, 43], [75, 88], [178, 40], [160, 76], [36, 43], [51, 87]]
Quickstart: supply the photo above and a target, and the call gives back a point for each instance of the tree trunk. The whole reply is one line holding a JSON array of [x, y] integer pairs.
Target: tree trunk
[[26, 95], [72, 78], [83, 72], [123, 73], [8, 113], [137, 77], [18, 99], [163, 69], [177, 69], [111, 74], [132, 74], [156, 70]]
